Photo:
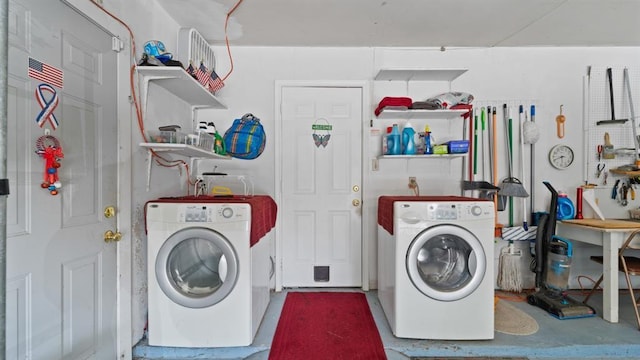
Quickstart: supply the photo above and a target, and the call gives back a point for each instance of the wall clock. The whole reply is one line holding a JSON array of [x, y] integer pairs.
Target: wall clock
[[561, 156]]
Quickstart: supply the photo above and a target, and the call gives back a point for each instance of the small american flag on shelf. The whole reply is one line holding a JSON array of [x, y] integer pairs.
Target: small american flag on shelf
[[215, 83], [202, 75]]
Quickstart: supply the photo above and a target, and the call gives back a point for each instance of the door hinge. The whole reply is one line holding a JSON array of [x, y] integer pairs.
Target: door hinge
[[116, 44]]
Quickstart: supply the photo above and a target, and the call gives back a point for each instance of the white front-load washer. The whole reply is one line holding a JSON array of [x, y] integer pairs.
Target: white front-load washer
[[435, 278], [200, 274]]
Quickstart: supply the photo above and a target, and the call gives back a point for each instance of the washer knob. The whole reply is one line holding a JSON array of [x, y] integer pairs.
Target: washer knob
[[227, 212], [476, 210]]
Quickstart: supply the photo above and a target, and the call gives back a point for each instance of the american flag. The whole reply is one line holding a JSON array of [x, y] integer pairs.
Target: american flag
[[215, 83], [45, 73], [190, 70], [202, 75]]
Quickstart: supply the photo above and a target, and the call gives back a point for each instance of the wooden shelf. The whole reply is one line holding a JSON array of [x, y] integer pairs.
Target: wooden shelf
[[184, 150], [176, 80], [421, 114], [419, 74], [627, 173]]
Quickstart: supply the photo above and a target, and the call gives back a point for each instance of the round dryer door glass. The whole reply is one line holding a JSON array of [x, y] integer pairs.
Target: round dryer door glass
[[196, 267], [446, 262]]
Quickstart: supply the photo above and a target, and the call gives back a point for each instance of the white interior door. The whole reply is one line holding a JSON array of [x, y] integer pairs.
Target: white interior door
[[61, 274], [321, 186]]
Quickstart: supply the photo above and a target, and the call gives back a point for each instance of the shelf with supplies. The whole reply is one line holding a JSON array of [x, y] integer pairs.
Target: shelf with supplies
[[177, 81], [421, 114], [422, 156], [185, 150]]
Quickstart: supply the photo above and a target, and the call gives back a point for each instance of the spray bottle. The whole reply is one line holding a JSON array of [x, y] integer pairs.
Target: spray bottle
[[428, 148]]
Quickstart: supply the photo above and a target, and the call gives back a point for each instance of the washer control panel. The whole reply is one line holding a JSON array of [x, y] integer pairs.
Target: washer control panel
[[209, 213], [413, 212], [459, 211]]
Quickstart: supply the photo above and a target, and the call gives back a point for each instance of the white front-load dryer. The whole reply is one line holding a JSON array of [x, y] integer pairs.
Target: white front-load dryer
[[199, 274], [435, 275]]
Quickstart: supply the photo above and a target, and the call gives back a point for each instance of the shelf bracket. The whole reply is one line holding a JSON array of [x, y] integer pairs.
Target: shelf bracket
[[144, 91], [149, 160]]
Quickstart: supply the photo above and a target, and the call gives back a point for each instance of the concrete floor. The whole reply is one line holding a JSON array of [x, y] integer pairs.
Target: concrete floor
[[586, 338]]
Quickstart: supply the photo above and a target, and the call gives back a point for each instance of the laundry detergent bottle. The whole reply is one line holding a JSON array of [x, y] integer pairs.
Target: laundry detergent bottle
[[566, 210], [393, 141], [408, 139]]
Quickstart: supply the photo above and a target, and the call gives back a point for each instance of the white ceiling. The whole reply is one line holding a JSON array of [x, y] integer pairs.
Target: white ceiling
[[413, 23]]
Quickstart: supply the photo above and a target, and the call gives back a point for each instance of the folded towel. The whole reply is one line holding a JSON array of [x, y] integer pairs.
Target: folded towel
[[398, 103]]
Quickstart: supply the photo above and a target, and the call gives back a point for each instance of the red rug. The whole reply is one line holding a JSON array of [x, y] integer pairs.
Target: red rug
[[326, 325]]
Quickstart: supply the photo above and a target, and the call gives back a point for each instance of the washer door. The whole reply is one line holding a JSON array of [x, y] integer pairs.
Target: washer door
[[197, 267], [446, 262]]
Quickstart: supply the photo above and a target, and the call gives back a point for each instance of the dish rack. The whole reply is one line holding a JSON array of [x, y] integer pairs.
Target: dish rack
[[193, 48]]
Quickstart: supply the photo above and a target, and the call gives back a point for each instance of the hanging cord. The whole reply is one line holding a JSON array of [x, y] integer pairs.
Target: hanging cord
[[226, 38], [161, 161]]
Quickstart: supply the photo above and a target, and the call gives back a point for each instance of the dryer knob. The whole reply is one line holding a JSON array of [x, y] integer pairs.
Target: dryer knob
[[476, 210], [227, 212]]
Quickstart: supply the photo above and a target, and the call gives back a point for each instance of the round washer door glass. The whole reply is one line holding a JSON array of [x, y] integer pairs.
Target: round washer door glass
[[196, 267], [446, 262]]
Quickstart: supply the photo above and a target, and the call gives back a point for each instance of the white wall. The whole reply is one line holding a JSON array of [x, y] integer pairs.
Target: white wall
[[548, 77]]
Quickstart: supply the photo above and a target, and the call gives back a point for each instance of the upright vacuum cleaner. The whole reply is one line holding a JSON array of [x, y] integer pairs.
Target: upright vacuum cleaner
[[552, 265]]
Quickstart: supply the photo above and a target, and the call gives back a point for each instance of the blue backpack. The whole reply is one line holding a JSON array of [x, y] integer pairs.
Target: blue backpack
[[245, 139]]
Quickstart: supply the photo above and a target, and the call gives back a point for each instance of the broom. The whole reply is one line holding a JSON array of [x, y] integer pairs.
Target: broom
[[509, 278], [511, 186]]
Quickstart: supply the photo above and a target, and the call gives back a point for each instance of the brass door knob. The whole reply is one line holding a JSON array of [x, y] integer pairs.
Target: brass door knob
[[109, 212], [110, 236], [355, 202]]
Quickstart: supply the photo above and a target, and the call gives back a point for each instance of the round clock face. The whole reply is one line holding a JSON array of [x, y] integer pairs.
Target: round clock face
[[561, 156]]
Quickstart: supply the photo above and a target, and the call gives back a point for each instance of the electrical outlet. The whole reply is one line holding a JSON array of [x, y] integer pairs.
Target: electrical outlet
[[412, 182]]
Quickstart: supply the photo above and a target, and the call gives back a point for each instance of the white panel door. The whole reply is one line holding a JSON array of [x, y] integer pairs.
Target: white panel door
[[61, 274], [321, 186]]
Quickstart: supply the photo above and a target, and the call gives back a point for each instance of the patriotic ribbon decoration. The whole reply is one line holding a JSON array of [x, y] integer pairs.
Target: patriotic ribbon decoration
[[48, 106]]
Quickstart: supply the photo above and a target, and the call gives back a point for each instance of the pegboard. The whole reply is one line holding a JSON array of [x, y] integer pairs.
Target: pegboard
[[598, 108]]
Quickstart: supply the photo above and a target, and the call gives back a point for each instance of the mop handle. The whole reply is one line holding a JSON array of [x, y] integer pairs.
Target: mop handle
[[475, 144]]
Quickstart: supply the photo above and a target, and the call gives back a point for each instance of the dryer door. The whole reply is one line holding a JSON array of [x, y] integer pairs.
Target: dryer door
[[446, 262], [196, 267]]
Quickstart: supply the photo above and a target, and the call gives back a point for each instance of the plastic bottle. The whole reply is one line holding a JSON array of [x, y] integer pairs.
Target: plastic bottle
[[385, 143], [408, 141], [393, 141], [566, 210], [428, 148]]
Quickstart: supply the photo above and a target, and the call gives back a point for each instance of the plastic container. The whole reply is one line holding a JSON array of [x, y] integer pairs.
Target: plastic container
[[558, 264], [393, 141], [408, 139], [385, 143], [566, 210], [169, 137], [458, 146]]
